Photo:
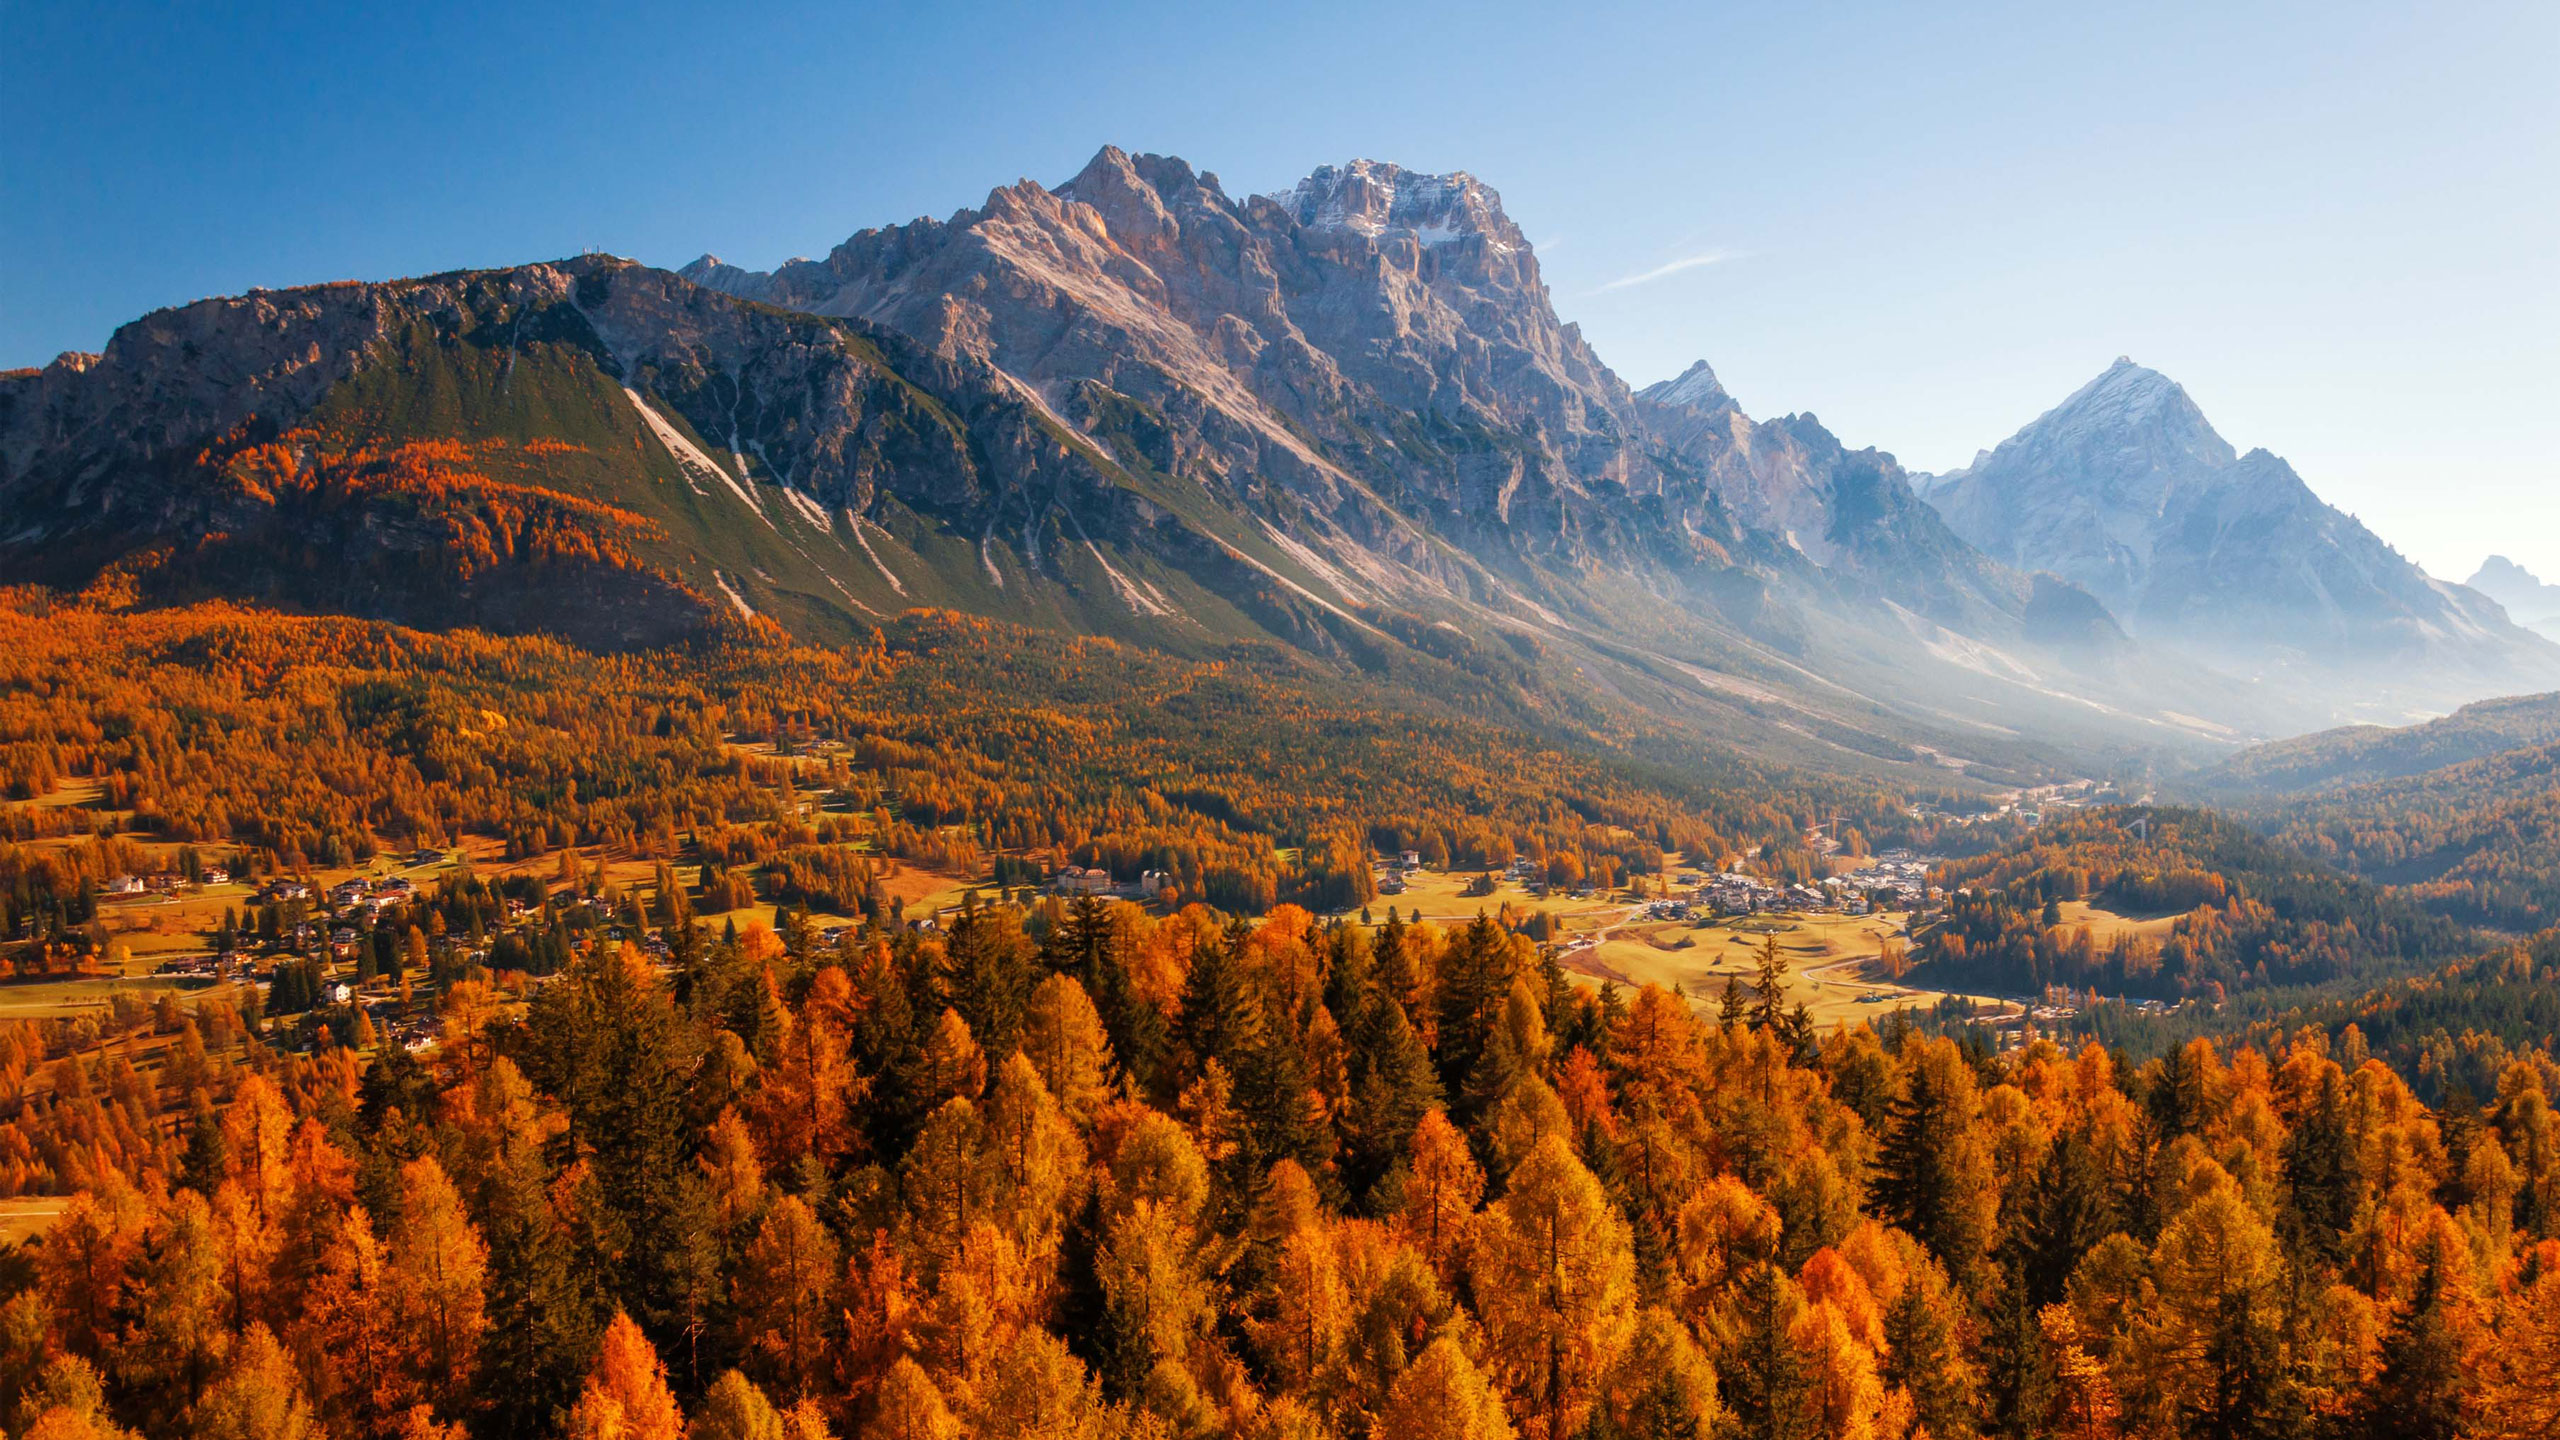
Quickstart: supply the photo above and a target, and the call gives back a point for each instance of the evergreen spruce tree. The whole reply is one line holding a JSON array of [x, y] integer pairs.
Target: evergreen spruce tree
[[1768, 1006], [1392, 963], [2320, 1188], [1392, 1086], [2017, 1372], [607, 1042], [1797, 1030], [202, 1167], [1475, 979], [1923, 1356], [1607, 1012], [1081, 947], [1140, 1039], [544, 1313], [2065, 1211], [2419, 1390], [1222, 1017], [2176, 1097], [2250, 1397], [1761, 1374], [988, 974], [1920, 1183], [1499, 1066], [1272, 1093], [1734, 1011]]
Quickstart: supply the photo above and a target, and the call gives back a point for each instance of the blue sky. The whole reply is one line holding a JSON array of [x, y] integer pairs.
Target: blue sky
[[2338, 225]]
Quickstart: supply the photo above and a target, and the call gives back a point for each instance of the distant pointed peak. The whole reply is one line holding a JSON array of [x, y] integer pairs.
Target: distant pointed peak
[[1696, 389], [715, 273], [2125, 369], [2127, 394]]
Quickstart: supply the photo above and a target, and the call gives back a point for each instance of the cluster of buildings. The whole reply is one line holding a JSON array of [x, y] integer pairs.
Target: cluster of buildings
[[1894, 880], [329, 924], [1733, 892], [2052, 1014], [1096, 880], [1392, 869], [372, 896], [2030, 806], [162, 882]]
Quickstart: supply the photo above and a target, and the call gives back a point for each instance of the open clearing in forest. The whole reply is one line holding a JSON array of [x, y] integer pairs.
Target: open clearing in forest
[[1440, 897], [26, 1215], [1834, 962], [2106, 925]]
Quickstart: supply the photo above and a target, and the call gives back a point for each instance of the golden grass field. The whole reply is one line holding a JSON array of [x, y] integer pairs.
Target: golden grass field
[[2106, 925], [26, 1215], [1832, 959]]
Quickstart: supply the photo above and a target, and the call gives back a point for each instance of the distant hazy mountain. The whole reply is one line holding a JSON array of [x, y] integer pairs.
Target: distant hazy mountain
[[2126, 490], [2364, 754], [2529, 601]]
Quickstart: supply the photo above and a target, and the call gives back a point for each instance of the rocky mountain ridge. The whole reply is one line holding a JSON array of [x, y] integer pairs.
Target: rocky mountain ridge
[[1345, 418]]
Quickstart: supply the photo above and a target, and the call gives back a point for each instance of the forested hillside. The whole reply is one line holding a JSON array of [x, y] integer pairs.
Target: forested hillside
[[1086, 1172], [2463, 813], [2479, 841], [1247, 779], [2247, 913]]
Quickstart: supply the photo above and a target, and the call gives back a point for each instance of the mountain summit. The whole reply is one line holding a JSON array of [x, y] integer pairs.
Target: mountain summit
[[2127, 490], [1378, 200], [2528, 600]]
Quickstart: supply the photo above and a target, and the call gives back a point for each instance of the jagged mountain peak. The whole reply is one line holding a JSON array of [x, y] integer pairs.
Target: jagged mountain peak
[[1114, 178], [1695, 388], [1378, 199], [2499, 572]]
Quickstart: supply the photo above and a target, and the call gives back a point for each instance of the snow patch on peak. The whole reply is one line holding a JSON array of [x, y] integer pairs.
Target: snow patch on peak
[[1378, 199]]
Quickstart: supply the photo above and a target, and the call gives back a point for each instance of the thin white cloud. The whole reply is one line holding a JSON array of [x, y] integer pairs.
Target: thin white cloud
[[1661, 272]]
